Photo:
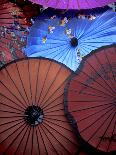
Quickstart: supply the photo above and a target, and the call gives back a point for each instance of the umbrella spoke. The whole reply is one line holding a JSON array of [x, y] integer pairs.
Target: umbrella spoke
[[57, 139], [97, 112], [49, 103], [88, 86], [13, 141], [48, 70], [11, 101], [90, 107], [50, 108], [22, 83], [11, 107], [113, 133], [37, 142], [21, 140], [42, 140], [38, 73], [59, 133], [106, 129], [49, 140], [11, 93], [12, 132], [95, 81], [111, 88], [15, 86], [44, 102], [32, 140], [61, 85], [10, 122], [26, 142], [111, 109], [54, 119], [48, 121]]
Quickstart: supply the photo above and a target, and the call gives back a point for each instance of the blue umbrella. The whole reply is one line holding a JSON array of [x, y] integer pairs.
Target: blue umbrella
[[68, 41]]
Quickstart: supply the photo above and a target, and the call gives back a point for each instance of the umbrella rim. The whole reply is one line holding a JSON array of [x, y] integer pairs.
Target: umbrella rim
[[36, 58], [87, 147]]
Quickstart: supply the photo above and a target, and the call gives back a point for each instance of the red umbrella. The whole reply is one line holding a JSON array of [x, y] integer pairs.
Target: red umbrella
[[13, 32], [32, 119], [91, 99]]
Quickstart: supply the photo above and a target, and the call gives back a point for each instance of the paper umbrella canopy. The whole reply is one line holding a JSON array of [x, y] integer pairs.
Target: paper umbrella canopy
[[73, 4], [90, 99], [32, 118], [68, 40], [13, 32]]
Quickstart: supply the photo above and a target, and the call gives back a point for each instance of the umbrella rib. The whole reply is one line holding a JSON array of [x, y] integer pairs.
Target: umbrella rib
[[22, 83], [49, 140], [76, 91], [9, 112], [52, 48], [92, 107], [62, 109], [48, 70], [38, 72], [51, 84], [57, 139], [48, 49], [92, 88], [99, 127], [94, 80], [14, 139], [110, 141], [37, 141], [96, 120], [43, 141], [52, 107], [11, 101], [59, 133], [32, 141], [11, 127], [96, 113], [53, 93], [30, 81], [44, 107], [11, 92], [58, 125], [21, 141], [54, 119], [26, 142], [11, 107], [12, 132], [106, 130], [15, 86], [10, 122], [105, 73], [110, 65]]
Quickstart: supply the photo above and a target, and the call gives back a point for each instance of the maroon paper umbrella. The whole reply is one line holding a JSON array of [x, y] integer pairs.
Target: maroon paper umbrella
[[32, 119], [91, 99], [13, 32]]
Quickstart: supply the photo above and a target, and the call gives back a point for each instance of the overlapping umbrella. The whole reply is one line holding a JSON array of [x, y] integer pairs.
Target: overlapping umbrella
[[32, 118], [68, 40], [13, 32], [90, 99], [73, 4]]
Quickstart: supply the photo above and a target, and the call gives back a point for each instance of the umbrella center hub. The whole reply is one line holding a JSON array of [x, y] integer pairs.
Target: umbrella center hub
[[74, 42], [34, 115]]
